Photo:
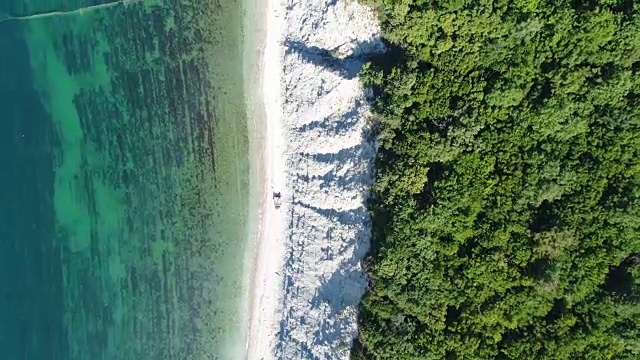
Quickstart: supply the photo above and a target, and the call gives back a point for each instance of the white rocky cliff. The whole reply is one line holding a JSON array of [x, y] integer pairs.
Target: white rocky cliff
[[326, 150]]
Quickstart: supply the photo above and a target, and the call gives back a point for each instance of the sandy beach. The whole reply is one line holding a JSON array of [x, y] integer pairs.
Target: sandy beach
[[268, 245], [317, 153]]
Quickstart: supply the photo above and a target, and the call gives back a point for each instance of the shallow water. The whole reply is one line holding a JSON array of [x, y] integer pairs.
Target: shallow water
[[124, 157]]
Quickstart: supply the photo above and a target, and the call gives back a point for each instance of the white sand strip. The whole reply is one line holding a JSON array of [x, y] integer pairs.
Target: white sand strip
[[308, 279], [270, 247]]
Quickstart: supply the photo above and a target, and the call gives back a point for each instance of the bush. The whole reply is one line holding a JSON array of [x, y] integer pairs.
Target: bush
[[506, 208]]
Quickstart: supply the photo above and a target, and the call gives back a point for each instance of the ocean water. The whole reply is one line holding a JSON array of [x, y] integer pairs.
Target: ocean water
[[124, 174]]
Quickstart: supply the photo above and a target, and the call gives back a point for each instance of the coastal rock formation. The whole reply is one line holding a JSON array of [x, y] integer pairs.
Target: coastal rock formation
[[329, 158]]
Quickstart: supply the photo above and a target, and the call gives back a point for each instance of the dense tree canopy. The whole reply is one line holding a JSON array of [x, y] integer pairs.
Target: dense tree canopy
[[506, 208]]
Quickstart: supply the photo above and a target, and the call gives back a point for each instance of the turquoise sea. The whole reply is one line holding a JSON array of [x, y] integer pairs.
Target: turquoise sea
[[124, 174]]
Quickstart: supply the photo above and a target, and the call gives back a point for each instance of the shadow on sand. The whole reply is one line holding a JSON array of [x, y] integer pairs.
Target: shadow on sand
[[347, 67]]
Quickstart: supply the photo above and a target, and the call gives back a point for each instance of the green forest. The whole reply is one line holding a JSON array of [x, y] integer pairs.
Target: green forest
[[506, 210]]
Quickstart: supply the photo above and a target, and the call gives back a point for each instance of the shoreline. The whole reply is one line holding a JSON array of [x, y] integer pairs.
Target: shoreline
[[264, 244], [306, 280]]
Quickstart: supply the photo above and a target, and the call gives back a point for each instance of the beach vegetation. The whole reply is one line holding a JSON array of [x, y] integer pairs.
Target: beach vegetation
[[506, 209]]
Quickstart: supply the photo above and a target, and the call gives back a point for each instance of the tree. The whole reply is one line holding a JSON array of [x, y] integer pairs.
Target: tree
[[506, 209]]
